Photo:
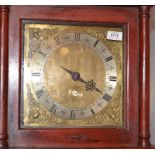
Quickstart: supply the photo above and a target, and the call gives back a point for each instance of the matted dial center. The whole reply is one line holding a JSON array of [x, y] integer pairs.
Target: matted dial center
[[66, 89]]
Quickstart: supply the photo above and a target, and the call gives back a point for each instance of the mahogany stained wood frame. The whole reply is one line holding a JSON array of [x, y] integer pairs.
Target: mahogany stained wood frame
[[136, 72]]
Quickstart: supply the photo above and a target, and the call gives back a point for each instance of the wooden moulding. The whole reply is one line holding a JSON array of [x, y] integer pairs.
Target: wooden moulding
[[4, 12], [144, 77]]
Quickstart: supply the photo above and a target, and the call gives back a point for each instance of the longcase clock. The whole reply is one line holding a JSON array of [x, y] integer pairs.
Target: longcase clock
[[77, 77]]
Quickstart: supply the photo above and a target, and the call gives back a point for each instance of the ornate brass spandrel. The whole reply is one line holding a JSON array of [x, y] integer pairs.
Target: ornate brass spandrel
[[35, 115]]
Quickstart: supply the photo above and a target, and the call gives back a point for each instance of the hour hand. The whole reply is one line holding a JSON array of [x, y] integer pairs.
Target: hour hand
[[91, 85], [98, 90]]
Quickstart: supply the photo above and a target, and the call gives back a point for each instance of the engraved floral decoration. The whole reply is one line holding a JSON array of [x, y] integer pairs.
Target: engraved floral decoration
[[37, 38], [36, 113]]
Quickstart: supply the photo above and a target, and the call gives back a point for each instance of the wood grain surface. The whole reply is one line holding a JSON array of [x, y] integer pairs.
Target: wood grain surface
[[4, 11]]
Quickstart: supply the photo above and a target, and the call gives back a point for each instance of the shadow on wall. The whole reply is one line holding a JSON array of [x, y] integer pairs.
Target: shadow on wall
[[152, 74]]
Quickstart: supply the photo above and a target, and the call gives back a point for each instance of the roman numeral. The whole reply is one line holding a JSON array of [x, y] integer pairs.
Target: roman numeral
[[96, 43], [53, 108], [72, 115], [92, 111], [35, 74], [57, 40], [39, 93], [107, 97], [112, 78], [109, 58], [77, 36]]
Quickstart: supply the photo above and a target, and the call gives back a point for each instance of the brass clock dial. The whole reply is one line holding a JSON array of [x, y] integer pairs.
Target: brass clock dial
[[75, 77], [71, 76]]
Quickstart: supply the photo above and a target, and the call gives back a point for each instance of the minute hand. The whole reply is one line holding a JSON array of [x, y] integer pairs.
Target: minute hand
[[74, 75], [67, 70]]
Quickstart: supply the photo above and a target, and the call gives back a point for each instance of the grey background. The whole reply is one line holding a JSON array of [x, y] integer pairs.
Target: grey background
[[152, 73]]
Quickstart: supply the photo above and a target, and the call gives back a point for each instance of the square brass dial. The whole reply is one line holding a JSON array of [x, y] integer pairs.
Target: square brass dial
[[72, 76]]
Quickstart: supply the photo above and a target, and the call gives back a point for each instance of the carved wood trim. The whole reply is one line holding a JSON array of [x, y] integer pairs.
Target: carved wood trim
[[144, 76], [4, 12]]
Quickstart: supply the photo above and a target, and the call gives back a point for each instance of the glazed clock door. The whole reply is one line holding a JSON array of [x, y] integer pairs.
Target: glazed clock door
[[72, 75], [73, 80]]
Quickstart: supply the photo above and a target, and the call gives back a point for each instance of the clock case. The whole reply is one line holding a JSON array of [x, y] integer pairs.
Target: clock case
[[136, 131]]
